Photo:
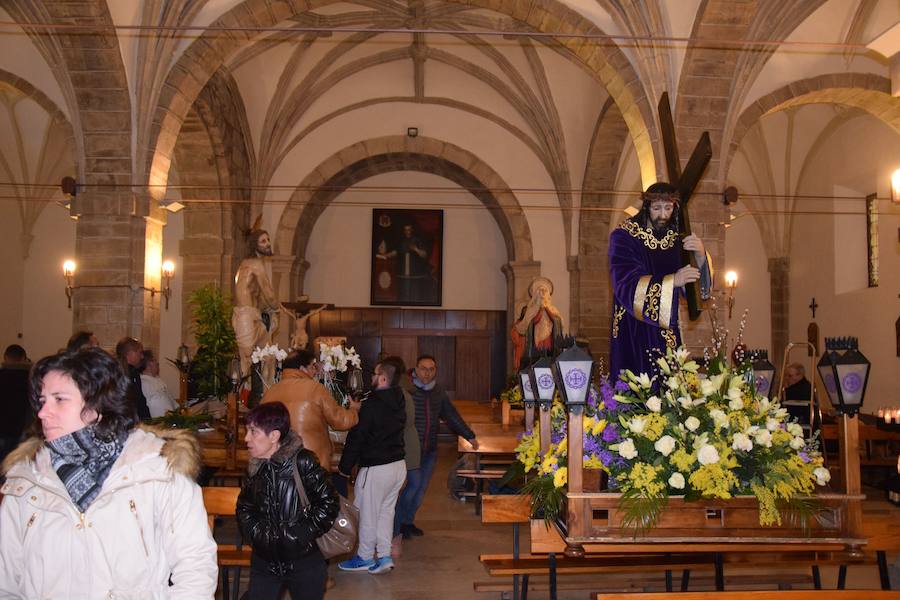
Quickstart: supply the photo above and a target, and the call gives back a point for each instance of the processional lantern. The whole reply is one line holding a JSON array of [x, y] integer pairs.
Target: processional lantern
[[845, 372], [574, 369], [234, 372], [528, 397], [541, 376], [763, 371]]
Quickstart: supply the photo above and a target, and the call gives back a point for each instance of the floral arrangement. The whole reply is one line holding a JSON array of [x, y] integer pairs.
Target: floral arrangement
[[267, 363], [683, 432], [337, 359], [512, 395]]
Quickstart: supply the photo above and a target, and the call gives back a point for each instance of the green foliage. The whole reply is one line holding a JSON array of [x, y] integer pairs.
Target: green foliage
[[180, 420], [216, 344], [547, 500]]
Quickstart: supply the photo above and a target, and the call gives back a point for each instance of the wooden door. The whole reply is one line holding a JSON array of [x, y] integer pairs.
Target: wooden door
[[473, 368]]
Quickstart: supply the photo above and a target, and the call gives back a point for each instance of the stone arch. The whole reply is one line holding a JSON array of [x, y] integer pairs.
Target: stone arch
[[401, 153], [206, 54], [866, 91], [591, 312]]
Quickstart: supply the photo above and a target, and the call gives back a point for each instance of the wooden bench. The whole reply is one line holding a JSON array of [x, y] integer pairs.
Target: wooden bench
[[759, 595], [222, 502]]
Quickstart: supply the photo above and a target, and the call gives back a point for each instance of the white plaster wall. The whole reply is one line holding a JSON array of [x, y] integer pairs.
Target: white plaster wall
[[20, 57], [339, 250], [827, 251], [827, 24], [745, 254], [46, 321]]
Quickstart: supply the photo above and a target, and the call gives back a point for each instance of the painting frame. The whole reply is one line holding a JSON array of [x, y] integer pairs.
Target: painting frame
[[407, 257]]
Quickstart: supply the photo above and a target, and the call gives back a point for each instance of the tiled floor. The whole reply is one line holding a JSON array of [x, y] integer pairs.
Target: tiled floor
[[444, 562]]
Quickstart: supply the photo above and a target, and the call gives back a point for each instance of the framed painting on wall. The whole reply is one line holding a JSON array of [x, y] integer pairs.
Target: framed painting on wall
[[407, 257]]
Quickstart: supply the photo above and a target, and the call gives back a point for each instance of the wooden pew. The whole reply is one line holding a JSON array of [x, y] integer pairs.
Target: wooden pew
[[759, 595], [222, 502]]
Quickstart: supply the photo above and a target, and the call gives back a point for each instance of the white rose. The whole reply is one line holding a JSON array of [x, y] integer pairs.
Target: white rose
[[764, 438], [742, 442], [736, 403], [763, 405], [685, 402], [677, 481], [707, 387], [797, 443], [627, 449], [719, 417], [692, 423], [772, 424], [654, 403], [665, 445], [636, 424], [822, 474], [795, 430], [708, 455]]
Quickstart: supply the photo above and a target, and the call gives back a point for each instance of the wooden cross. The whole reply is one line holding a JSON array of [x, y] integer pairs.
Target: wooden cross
[[686, 181], [813, 306]]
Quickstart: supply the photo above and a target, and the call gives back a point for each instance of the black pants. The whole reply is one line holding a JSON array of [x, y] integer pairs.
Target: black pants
[[305, 582]]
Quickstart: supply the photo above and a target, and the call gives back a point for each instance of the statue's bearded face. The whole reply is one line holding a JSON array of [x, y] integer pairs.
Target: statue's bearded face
[[264, 245], [660, 214]]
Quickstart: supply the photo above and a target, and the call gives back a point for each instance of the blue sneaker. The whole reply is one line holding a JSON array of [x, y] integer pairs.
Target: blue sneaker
[[382, 565], [357, 564]]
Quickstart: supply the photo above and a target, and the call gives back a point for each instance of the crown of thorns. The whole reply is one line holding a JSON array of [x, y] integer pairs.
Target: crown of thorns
[[649, 197]]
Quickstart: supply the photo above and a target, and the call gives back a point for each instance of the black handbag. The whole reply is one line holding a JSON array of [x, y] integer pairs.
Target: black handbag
[[341, 538]]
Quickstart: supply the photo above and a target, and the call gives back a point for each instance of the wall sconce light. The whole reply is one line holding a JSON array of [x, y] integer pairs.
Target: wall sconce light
[[168, 272], [895, 187], [412, 132], [731, 284], [69, 274]]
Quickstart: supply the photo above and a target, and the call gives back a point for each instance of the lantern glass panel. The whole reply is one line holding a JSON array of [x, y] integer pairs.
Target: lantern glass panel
[[575, 378], [543, 378], [853, 382], [525, 384]]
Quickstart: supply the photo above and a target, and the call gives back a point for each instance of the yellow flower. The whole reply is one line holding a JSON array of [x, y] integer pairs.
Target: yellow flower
[[598, 428], [654, 425], [645, 477], [682, 459], [713, 481], [548, 464], [561, 477], [593, 463]]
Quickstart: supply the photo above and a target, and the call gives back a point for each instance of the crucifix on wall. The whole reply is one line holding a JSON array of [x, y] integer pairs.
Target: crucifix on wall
[[686, 181]]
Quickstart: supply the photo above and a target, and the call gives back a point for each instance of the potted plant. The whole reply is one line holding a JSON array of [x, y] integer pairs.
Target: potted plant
[[216, 345]]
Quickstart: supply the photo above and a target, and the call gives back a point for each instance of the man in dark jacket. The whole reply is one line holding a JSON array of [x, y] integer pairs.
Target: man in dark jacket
[[15, 409], [130, 353], [432, 405], [376, 445]]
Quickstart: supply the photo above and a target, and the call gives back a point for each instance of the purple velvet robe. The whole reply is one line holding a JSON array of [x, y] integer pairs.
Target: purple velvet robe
[[645, 299]]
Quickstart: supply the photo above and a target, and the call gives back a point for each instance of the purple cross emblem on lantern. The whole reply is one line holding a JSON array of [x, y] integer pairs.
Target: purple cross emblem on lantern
[[852, 383], [545, 381], [828, 379], [762, 385], [576, 379]]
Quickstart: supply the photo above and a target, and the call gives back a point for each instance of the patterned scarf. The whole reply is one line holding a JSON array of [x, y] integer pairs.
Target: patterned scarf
[[82, 461]]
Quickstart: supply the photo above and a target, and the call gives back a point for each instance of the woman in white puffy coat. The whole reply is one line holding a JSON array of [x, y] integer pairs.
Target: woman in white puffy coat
[[96, 508]]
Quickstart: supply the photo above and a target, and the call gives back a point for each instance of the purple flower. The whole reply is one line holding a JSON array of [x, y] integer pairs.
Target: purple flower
[[804, 457], [606, 457], [557, 436], [591, 446], [611, 434], [621, 386], [611, 405]]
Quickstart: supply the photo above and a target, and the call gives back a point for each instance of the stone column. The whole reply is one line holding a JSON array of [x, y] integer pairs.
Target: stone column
[[518, 277], [780, 284], [118, 248], [203, 250]]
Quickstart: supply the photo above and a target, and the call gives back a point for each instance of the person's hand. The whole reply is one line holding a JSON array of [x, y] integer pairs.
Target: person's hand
[[695, 245], [685, 275], [474, 443], [355, 403]]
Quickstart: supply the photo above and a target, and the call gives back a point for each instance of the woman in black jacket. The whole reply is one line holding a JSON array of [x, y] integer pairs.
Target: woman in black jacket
[[281, 532]]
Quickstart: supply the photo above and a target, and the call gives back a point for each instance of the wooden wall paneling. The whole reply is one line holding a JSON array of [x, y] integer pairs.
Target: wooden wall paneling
[[330, 323], [473, 366], [368, 347], [351, 321], [456, 319], [443, 349], [435, 319], [390, 318], [371, 322], [404, 346], [412, 319], [477, 320]]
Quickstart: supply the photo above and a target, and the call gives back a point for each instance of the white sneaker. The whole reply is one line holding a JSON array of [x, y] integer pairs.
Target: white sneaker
[[382, 565]]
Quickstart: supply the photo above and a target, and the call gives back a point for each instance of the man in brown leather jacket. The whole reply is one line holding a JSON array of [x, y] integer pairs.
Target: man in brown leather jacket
[[311, 406]]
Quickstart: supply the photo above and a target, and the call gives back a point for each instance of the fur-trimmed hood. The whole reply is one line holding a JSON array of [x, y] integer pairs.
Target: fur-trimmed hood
[[180, 448], [288, 448]]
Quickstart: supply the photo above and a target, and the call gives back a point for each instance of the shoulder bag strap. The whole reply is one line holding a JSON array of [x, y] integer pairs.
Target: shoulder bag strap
[[301, 491]]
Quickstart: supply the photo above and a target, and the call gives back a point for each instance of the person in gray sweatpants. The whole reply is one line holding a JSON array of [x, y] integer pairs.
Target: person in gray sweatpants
[[376, 445]]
